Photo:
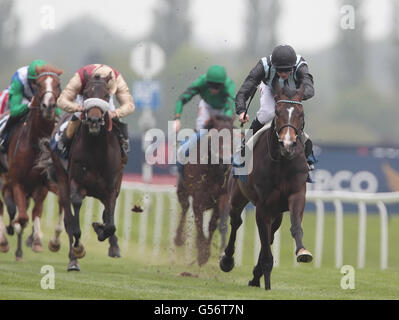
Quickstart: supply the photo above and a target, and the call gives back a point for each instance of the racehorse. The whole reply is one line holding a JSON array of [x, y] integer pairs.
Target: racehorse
[[206, 183], [94, 169], [276, 184], [23, 181]]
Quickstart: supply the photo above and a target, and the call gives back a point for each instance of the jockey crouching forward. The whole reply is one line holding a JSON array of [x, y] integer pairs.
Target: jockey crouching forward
[[217, 95], [71, 100], [20, 95], [291, 70]]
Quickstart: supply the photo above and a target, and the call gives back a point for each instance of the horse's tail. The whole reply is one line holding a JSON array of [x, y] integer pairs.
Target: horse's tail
[[48, 162]]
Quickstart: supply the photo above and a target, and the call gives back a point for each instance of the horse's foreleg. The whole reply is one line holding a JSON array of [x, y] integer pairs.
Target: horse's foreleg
[[182, 196], [6, 190], [265, 262], [55, 244], [114, 250], [202, 243], [77, 198], [222, 226], [107, 229], [238, 202], [22, 219], [296, 204], [38, 196], [4, 247]]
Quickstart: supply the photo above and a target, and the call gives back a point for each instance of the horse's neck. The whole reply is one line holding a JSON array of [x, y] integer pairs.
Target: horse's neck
[[38, 126]]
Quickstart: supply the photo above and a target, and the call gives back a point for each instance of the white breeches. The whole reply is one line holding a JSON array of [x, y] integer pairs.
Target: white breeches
[[266, 111]]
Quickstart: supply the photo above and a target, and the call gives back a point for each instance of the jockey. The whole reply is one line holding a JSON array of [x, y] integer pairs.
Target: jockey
[[20, 95], [71, 100], [216, 90], [291, 70]]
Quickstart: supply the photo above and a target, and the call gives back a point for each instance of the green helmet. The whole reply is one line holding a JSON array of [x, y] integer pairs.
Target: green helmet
[[32, 71], [216, 73]]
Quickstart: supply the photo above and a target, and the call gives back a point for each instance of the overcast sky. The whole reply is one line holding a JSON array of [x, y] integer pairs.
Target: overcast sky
[[305, 24]]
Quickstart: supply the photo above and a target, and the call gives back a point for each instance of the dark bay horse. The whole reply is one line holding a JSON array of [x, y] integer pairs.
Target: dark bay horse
[[207, 185], [94, 169], [276, 184], [23, 179]]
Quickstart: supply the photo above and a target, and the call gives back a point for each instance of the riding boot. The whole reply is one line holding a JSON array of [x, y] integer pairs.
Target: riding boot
[[310, 158], [255, 126], [7, 131], [123, 139], [64, 144]]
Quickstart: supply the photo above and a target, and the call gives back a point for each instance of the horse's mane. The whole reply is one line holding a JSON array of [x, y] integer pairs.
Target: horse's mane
[[287, 91]]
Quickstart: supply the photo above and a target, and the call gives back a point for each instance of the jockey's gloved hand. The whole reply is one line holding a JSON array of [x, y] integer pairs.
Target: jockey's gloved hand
[[177, 125]]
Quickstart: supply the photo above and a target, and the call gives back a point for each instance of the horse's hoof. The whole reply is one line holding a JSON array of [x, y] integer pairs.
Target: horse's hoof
[[10, 230], [253, 283], [226, 264], [37, 246], [179, 241], [4, 247], [73, 266], [29, 241], [203, 256], [79, 252], [304, 255], [18, 258], [114, 252], [54, 246]]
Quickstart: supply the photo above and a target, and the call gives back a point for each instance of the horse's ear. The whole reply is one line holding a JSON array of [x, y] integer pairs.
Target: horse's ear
[[86, 76], [277, 89]]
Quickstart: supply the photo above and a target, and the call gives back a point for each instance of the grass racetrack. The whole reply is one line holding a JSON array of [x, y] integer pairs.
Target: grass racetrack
[[145, 273]]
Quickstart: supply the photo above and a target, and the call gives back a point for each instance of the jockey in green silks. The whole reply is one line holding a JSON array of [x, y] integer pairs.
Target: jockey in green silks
[[20, 96], [217, 93]]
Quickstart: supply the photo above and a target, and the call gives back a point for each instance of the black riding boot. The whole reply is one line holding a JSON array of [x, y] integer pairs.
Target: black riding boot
[[123, 139], [255, 126], [310, 158], [7, 131]]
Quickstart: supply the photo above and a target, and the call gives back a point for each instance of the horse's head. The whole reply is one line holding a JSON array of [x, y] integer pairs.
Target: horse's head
[[96, 102], [289, 119], [47, 90], [221, 136]]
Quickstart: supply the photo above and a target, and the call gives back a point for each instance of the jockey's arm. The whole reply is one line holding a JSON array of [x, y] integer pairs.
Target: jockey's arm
[[187, 95], [124, 98], [306, 79], [249, 86], [66, 100], [16, 97]]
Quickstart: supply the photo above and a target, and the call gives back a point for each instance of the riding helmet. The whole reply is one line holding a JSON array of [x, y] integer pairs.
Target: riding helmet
[[216, 74], [283, 57], [32, 71]]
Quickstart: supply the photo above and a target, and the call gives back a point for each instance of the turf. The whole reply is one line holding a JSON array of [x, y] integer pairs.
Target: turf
[[143, 274]]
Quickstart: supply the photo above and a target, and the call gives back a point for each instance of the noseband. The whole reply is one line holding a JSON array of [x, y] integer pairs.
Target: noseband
[[95, 102]]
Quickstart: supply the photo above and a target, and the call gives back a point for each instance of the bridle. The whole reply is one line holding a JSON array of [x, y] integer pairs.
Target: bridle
[[277, 131], [47, 91], [297, 131]]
